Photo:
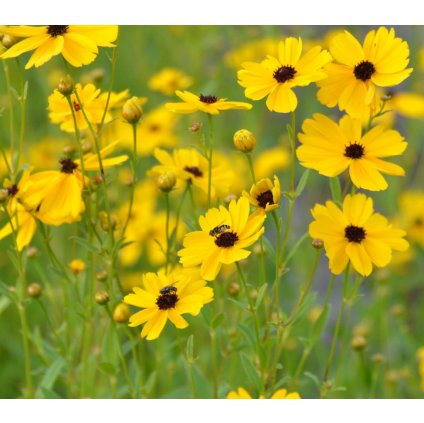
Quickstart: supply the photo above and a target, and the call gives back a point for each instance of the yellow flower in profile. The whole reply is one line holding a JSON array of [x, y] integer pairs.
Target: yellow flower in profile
[[164, 297], [22, 222], [55, 197], [276, 77], [351, 83], [264, 194], [331, 148], [77, 266], [78, 44], [92, 101], [223, 237], [411, 215], [241, 393], [189, 165], [168, 80], [355, 234], [204, 103]]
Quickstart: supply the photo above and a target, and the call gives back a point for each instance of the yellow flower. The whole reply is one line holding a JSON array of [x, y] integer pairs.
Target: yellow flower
[[270, 161], [264, 194], [77, 43], [352, 81], [408, 104], [189, 165], [204, 103], [167, 297], [355, 233], [276, 77], [76, 266], [223, 237], [92, 101], [168, 80], [411, 215], [22, 222], [55, 197], [241, 393], [331, 149]]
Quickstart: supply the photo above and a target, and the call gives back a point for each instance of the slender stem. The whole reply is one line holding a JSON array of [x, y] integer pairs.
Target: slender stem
[[23, 99], [292, 137], [287, 229], [167, 231], [209, 157], [276, 286], [193, 385], [251, 168], [338, 324]]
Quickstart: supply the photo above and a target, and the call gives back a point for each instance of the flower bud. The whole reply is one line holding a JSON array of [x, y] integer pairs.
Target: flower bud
[[317, 243], [68, 149], [97, 75], [4, 195], [86, 146], [244, 141], [101, 275], [32, 252], [253, 294], [378, 358], [358, 343], [166, 181], [195, 127], [8, 40], [101, 297], [233, 289], [97, 180], [104, 221], [122, 313], [34, 290], [76, 266], [132, 111], [66, 86]]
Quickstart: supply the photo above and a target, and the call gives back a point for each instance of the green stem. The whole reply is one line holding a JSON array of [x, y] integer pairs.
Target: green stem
[[167, 231], [209, 157], [251, 168], [292, 137]]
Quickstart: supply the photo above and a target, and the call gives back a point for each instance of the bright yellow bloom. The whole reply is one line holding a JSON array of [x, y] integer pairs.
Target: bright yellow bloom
[[166, 297], [264, 194], [168, 80], [331, 148], [351, 83], [223, 237], [276, 77], [189, 165], [204, 103], [78, 44], [241, 393], [76, 266], [355, 234], [55, 197], [22, 221], [270, 161], [92, 101], [411, 215], [408, 104]]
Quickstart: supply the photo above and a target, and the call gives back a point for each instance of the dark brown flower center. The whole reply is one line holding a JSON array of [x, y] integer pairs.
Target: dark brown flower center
[[354, 151], [168, 298], [364, 70], [209, 99], [68, 166], [284, 73], [55, 30], [265, 198], [226, 239], [355, 233], [12, 190], [194, 170]]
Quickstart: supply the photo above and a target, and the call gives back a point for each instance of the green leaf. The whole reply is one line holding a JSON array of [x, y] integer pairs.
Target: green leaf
[[261, 295], [336, 190], [85, 243], [107, 368], [52, 373], [251, 371], [269, 248], [5, 290], [4, 304], [302, 182], [292, 252], [49, 394], [248, 333], [314, 379], [217, 320], [190, 348], [237, 303]]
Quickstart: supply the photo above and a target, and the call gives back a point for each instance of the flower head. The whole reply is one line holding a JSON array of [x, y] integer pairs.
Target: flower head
[[168, 80], [241, 393], [351, 83], [204, 103], [264, 194], [78, 44], [276, 77], [166, 297], [223, 237], [355, 234], [331, 148]]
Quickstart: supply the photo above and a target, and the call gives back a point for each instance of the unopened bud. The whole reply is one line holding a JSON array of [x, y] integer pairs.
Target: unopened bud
[[76, 266], [101, 275], [97, 75], [166, 181], [101, 297], [317, 243], [132, 111], [9, 40], [34, 290], [253, 294], [244, 140], [104, 221], [68, 149], [378, 358], [358, 343], [122, 313], [86, 146], [4, 195], [66, 86], [31, 252], [97, 180], [195, 127], [233, 289]]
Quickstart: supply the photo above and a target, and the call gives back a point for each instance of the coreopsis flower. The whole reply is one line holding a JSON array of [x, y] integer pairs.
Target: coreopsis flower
[[55, 196], [188, 164], [331, 148], [204, 103], [356, 234], [241, 393], [381, 61], [264, 194], [22, 222], [411, 215], [223, 238], [168, 80], [164, 297], [78, 44], [276, 77], [92, 101]]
